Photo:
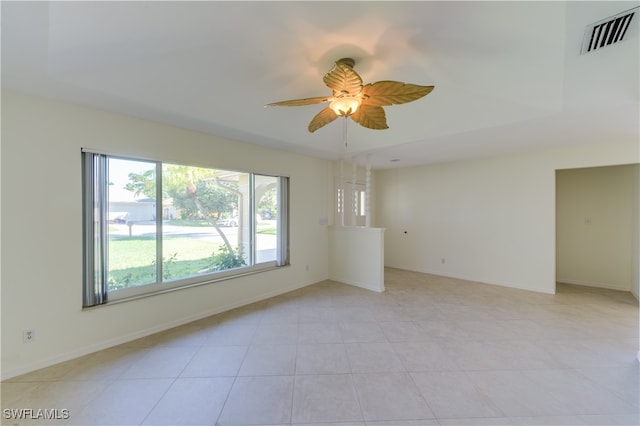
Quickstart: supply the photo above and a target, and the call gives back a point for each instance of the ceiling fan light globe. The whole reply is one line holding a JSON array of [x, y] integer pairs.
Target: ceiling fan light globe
[[344, 106]]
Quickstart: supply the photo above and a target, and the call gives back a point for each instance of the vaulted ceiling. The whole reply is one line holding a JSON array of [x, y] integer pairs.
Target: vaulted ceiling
[[508, 76]]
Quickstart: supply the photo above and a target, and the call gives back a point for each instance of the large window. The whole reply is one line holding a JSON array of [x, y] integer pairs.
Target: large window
[[151, 226]]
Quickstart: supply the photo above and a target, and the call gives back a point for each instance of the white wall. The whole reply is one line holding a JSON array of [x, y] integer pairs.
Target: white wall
[[595, 226], [635, 221], [42, 232], [356, 256], [491, 220]]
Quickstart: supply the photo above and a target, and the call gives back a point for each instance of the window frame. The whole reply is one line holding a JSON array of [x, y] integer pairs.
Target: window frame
[[95, 206]]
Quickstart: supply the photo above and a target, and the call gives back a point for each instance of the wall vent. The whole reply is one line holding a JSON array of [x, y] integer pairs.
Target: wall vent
[[610, 31]]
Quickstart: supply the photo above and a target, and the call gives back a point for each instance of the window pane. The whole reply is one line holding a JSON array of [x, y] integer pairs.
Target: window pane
[[146, 222], [266, 202], [132, 244], [204, 212]]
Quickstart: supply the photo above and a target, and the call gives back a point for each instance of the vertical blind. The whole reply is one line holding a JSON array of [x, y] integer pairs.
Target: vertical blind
[[95, 213]]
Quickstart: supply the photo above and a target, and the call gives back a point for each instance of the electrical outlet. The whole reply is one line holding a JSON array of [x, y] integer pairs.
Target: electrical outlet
[[28, 336]]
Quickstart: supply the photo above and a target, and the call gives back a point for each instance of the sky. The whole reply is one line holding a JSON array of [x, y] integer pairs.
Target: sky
[[119, 176]]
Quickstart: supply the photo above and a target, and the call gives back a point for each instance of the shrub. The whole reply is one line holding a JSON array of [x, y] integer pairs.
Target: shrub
[[227, 259]]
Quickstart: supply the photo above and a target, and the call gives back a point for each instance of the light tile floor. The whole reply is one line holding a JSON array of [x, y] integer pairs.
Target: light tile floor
[[429, 351]]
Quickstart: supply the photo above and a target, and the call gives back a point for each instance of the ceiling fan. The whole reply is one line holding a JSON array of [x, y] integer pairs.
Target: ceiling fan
[[351, 99]]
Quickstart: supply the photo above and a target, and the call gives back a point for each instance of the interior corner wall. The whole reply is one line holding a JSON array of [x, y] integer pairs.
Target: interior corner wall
[[635, 220], [596, 234], [489, 220], [42, 233]]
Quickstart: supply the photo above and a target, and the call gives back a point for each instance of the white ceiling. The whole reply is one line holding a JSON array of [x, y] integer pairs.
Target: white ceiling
[[508, 75]]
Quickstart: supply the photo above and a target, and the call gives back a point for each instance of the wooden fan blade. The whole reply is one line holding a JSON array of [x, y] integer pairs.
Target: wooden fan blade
[[388, 92], [323, 118], [343, 80], [371, 117], [302, 102]]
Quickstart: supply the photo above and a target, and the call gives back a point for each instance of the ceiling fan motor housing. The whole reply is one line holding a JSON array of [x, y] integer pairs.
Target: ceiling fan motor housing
[[347, 61]]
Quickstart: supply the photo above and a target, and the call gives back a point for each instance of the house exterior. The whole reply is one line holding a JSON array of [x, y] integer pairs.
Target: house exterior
[[132, 211]]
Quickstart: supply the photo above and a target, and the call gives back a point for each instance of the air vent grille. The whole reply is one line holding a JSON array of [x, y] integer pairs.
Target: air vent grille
[[609, 31]]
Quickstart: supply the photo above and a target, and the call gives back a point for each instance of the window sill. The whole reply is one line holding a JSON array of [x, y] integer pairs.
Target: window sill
[[243, 272]]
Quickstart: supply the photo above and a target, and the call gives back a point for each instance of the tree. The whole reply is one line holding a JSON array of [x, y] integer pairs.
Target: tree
[[267, 206], [142, 184], [193, 189], [217, 201]]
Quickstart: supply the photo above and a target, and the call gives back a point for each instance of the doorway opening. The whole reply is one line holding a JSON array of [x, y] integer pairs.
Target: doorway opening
[[597, 227]]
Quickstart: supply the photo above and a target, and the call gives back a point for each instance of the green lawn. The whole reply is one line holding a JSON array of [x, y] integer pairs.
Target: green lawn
[[266, 230], [132, 259]]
